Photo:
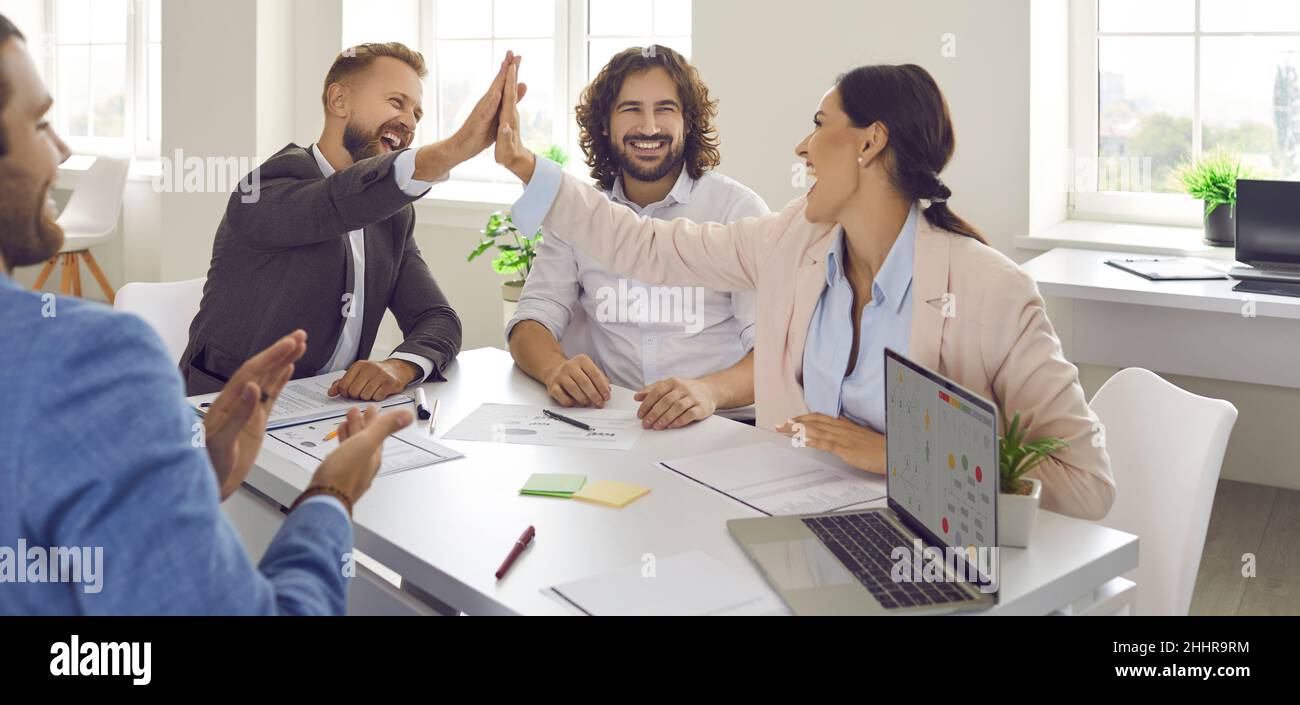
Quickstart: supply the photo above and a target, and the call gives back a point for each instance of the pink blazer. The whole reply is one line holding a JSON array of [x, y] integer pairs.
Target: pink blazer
[[976, 318]]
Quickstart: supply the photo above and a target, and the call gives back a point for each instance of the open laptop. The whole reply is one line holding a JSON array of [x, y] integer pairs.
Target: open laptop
[[1268, 230], [941, 451]]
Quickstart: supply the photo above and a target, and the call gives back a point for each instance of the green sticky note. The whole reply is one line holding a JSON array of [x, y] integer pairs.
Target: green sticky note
[[553, 485]]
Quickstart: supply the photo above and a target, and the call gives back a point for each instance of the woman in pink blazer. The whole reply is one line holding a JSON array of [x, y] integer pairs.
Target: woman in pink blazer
[[826, 264]]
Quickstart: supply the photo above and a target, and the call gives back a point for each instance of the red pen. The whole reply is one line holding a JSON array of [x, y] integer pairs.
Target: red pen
[[524, 539]]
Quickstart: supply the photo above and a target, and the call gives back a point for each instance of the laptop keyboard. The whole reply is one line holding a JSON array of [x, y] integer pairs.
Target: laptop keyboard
[[863, 542], [1286, 268]]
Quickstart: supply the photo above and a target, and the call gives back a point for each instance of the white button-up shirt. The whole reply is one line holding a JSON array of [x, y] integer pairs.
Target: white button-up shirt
[[638, 333], [349, 343]]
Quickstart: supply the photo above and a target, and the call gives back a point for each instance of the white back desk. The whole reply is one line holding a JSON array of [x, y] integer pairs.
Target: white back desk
[[1106, 316], [446, 528]]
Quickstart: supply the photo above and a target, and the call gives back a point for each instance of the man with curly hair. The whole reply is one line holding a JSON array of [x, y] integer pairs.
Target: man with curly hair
[[646, 129]]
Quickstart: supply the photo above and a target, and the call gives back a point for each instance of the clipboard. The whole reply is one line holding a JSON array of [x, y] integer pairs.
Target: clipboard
[[1167, 269]]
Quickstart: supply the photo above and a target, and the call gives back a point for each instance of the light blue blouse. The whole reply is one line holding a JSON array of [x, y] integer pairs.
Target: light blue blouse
[[859, 394]]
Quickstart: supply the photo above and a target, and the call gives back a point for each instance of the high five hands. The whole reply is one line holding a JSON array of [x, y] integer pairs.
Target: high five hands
[[510, 150], [482, 126], [477, 133]]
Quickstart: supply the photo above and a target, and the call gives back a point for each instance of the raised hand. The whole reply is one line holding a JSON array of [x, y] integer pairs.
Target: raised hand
[[510, 150], [480, 128]]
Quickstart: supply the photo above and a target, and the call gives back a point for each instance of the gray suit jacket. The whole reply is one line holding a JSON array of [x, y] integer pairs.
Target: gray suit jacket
[[284, 262]]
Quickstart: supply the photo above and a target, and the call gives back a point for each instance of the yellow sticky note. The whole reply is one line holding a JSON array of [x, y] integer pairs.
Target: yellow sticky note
[[610, 493]]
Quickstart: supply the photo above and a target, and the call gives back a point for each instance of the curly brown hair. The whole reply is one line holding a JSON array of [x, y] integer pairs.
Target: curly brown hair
[[596, 106]]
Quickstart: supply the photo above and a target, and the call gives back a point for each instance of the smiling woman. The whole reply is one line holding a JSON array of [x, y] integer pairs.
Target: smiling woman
[[848, 271]]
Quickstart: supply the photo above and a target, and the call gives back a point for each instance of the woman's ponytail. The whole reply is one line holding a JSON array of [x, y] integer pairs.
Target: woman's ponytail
[[921, 141]]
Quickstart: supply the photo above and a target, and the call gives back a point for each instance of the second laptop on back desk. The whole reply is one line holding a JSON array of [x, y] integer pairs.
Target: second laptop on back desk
[[1268, 237]]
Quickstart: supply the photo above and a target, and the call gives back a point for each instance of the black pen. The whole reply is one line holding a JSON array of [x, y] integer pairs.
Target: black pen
[[572, 422]]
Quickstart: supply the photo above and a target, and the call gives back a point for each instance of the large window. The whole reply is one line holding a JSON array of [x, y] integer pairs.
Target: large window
[[101, 60], [1158, 82], [564, 43]]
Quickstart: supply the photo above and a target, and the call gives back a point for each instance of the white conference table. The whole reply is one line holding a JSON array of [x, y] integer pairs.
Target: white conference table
[[446, 528]]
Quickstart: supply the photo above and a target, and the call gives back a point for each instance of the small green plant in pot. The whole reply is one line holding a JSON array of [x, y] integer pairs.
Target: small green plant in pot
[[1018, 500], [1213, 180], [515, 250]]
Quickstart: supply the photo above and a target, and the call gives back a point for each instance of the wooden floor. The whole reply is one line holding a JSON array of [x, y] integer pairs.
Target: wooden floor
[[1254, 519]]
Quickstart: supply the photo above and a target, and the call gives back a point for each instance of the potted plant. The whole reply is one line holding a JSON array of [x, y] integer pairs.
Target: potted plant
[[1018, 499], [1213, 180], [515, 250]]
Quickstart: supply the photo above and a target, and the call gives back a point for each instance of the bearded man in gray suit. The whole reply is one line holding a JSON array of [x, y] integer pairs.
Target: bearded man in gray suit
[[324, 242]]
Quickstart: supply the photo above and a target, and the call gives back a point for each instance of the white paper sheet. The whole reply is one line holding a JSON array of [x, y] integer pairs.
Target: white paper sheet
[[304, 400], [689, 584], [404, 450], [515, 423], [779, 480]]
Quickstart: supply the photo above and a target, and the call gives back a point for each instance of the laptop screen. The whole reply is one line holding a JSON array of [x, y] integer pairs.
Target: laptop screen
[[1268, 221], [941, 455]]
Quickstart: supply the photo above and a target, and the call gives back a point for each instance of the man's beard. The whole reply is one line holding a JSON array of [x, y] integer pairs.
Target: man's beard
[[361, 144], [28, 233], [629, 164]]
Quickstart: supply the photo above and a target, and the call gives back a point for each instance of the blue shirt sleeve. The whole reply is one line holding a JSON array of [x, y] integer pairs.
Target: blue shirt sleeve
[[118, 462], [329, 501]]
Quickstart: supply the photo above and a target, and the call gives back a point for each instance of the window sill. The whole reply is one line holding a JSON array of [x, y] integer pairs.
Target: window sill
[[1125, 237]]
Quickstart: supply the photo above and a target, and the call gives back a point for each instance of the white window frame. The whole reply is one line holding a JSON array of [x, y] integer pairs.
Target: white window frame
[[1153, 208], [136, 142], [571, 44]]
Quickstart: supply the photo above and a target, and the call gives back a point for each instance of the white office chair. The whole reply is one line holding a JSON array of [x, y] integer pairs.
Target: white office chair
[[1166, 448], [168, 307], [89, 219]]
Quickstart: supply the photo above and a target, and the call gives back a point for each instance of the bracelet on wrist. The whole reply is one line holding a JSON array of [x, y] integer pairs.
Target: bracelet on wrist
[[323, 490]]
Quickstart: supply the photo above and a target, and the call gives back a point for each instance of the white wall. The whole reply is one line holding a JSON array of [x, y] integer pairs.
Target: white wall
[[770, 61], [1049, 113], [317, 33], [275, 51], [209, 104]]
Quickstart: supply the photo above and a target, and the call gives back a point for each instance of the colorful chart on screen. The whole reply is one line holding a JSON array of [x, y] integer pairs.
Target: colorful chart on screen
[[941, 457]]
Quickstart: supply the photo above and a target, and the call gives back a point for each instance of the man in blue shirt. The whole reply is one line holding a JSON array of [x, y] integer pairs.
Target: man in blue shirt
[[109, 489]]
